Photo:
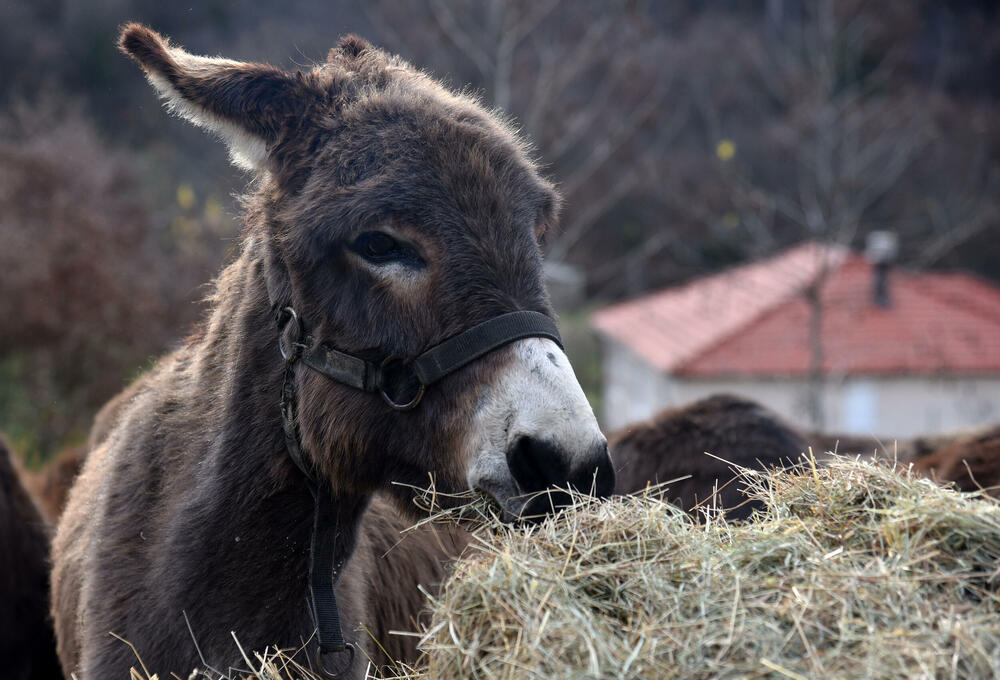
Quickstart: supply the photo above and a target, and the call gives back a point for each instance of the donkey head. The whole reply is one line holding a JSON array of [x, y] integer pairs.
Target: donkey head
[[394, 214]]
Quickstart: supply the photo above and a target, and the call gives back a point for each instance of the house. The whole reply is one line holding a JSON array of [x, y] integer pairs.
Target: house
[[819, 334]]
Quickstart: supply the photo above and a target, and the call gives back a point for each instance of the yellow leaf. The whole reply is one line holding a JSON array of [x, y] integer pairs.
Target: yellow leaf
[[213, 209], [725, 150], [185, 196]]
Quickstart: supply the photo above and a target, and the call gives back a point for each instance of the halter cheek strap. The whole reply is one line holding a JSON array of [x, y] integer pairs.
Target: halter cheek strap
[[402, 384]]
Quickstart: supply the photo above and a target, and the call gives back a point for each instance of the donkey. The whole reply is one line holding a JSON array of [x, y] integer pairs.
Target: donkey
[[391, 253], [27, 646], [971, 462], [50, 486], [673, 446]]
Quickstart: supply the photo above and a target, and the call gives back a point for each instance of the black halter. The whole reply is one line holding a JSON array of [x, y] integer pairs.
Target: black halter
[[401, 384]]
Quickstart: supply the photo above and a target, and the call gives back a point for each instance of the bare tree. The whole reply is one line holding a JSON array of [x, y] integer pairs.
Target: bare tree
[[91, 289]]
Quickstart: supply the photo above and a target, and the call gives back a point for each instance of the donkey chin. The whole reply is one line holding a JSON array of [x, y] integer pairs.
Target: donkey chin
[[536, 436]]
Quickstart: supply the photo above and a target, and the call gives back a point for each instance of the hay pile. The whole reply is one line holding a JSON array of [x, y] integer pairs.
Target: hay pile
[[853, 571]]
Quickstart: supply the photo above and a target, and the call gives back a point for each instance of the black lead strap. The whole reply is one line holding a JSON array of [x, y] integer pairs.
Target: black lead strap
[[401, 384], [334, 656]]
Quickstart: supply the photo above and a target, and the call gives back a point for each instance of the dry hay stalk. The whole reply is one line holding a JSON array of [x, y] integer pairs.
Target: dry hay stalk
[[853, 570]]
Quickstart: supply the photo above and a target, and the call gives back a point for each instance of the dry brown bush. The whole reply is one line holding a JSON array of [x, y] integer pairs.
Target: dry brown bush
[[91, 288]]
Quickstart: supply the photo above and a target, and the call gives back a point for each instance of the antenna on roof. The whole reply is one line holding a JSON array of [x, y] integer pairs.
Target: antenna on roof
[[881, 249]]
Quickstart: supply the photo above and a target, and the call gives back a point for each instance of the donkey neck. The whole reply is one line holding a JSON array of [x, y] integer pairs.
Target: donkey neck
[[237, 368], [254, 489]]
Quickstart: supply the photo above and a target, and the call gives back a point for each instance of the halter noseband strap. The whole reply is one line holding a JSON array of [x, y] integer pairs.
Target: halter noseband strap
[[402, 383], [334, 656]]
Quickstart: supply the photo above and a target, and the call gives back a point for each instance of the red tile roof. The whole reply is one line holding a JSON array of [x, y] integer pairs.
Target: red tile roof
[[754, 321]]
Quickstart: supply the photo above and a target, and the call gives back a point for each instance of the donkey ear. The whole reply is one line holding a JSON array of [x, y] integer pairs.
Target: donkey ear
[[548, 210], [245, 104]]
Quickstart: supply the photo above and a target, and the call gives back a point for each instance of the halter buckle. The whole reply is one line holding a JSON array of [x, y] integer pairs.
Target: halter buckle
[[338, 669], [288, 318]]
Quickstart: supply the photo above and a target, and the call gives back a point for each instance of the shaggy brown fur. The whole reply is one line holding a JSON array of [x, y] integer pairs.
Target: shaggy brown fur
[[404, 565], [27, 646], [408, 562], [673, 444], [971, 462], [918, 447], [190, 506], [50, 486]]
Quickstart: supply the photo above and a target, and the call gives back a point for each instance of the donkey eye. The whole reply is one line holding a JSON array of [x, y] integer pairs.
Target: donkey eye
[[379, 248], [377, 244]]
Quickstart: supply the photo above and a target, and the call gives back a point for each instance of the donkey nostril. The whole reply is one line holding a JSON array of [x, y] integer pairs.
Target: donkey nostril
[[537, 464]]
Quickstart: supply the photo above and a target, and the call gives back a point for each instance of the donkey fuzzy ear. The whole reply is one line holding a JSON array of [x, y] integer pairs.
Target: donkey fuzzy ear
[[247, 105], [349, 47]]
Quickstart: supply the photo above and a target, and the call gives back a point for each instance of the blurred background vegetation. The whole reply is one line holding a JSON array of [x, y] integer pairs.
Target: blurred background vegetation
[[686, 136]]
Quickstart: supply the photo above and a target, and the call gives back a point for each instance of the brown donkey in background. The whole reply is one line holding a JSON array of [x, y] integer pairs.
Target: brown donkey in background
[[27, 648], [675, 443], [971, 461], [390, 215]]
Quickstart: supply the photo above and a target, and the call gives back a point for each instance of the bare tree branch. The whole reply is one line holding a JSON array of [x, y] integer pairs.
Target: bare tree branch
[[462, 39], [605, 148], [593, 211]]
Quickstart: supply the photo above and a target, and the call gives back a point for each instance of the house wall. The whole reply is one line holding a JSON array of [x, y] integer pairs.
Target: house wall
[[890, 407], [632, 390]]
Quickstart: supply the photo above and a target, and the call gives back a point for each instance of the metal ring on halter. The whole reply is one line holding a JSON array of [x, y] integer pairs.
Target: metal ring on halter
[[341, 669], [281, 335], [389, 400]]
